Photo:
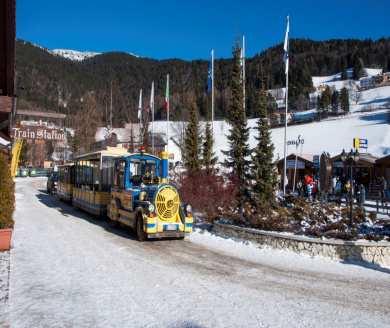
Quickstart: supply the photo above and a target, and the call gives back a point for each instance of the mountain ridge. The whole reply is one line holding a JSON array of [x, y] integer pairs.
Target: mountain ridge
[[54, 83]]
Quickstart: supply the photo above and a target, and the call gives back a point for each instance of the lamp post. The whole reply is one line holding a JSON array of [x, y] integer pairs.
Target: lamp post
[[350, 159]]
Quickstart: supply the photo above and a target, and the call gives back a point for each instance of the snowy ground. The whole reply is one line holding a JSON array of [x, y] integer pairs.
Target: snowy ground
[[69, 270], [331, 135]]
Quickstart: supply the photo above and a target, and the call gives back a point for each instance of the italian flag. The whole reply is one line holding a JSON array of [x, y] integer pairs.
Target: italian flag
[[166, 101]]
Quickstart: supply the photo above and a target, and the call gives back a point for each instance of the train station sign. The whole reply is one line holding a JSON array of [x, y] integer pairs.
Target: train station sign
[[38, 133]]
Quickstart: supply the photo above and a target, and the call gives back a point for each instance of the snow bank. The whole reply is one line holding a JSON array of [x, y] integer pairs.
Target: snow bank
[[272, 257]]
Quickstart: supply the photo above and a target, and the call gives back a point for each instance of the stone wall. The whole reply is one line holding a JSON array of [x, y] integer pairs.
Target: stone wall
[[377, 253]]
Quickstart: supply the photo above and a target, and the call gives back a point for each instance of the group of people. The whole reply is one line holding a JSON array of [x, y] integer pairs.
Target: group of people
[[342, 187], [308, 187]]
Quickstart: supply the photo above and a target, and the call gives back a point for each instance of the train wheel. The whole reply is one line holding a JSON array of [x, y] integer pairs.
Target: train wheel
[[113, 216], [140, 229]]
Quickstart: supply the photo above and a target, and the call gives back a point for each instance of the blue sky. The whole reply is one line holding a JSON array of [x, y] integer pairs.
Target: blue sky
[[188, 29]]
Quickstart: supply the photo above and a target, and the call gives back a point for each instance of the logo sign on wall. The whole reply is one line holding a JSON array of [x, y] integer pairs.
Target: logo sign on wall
[[38, 133], [297, 142]]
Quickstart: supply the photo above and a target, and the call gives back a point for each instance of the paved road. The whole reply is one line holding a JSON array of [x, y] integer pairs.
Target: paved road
[[69, 270]]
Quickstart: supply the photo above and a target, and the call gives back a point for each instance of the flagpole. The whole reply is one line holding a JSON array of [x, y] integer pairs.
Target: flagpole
[[243, 71], [152, 109], [140, 116], [167, 100], [212, 92], [111, 105], [286, 111]]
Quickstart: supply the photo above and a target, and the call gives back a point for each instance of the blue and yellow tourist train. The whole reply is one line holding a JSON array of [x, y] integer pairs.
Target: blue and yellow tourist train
[[130, 189]]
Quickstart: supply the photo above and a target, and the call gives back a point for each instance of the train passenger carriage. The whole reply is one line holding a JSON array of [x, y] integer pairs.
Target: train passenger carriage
[[92, 180], [65, 182]]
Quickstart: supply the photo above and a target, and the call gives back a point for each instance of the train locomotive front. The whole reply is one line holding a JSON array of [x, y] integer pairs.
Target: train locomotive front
[[143, 199]]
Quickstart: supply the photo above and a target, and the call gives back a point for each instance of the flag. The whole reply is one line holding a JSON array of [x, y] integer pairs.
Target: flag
[[151, 103], [242, 59], [286, 46], [140, 105], [210, 77], [166, 101]]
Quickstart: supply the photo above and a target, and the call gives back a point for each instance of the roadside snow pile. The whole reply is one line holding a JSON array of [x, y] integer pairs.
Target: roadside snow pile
[[268, 256], [313, 219]]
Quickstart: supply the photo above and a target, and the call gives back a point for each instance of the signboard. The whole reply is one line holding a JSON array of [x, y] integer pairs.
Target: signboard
[[291, 164], [360, 143], [316, 161], [38, 133]]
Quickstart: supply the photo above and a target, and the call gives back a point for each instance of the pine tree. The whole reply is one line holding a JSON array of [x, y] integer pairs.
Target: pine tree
[[192, 143], [358, 68], [343, 65], [344, 100], [262, 168], [344, 74], [236, 156], [326, 98], [335, 101], [208, 155]]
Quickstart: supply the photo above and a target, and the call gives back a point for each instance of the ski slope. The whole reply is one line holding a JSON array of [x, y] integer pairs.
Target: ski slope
[[331, 135], [372, 99]]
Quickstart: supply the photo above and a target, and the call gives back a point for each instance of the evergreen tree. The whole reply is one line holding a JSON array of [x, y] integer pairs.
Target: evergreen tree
[[262, 168], [344, 74], [344, 100], [209, 158], [236, 156], [343, 69], [358, 68], [192, 143], [325, 100], [272, 105], [335, 101]]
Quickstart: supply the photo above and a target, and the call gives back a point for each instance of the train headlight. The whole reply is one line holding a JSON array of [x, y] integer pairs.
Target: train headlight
[[142, 196], [151, 208], [189, 209]]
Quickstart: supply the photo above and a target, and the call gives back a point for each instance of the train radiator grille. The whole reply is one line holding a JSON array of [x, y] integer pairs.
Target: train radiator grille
[[167, 203]]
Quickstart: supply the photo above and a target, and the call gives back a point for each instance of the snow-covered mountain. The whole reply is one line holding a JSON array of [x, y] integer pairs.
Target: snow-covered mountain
[[78, 55], [74, 54]]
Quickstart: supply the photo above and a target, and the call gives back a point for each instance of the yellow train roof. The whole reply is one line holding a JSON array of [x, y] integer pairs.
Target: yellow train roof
[[108, 152]]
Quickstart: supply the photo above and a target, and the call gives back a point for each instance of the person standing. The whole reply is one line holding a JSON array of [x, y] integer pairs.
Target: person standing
[[362, 195], [383, 190]]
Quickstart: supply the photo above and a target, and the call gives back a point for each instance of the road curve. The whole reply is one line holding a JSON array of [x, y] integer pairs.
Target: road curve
[[70, 270]]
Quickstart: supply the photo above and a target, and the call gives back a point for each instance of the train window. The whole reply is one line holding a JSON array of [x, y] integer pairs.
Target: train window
[[120, 174], [107, 173], [95, 174], [141, 169]]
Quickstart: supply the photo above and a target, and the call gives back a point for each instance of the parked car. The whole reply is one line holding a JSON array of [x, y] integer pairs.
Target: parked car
[[22, 172], [52, 182], [39, 172]]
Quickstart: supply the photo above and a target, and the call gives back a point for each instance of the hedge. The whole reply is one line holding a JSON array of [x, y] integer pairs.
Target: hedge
[[7, 194]]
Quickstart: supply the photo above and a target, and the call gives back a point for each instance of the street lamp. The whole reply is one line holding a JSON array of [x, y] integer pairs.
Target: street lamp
[[349, 160]]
